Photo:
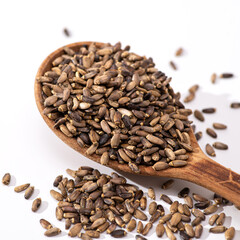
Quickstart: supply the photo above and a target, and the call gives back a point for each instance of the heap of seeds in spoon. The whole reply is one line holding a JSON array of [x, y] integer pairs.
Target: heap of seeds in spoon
[[118, 105]]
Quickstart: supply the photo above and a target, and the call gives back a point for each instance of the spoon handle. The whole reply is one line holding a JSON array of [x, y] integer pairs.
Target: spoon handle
[[216, 178]]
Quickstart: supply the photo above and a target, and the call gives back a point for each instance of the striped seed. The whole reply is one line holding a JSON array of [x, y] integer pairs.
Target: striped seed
[[198, 135], [211, 209], [147, 228], [131, 225], [56, 195], [199, 198], [220, 220], [139, 227], [189, 230], [151, 193], [169, 233], [165, 218], [213, 219], [174, 207], [118, 233], [140, 215], [188, 200], [160, 230], [152, 208], [158, 166], [75, 230], [176, 218], [36, 204]]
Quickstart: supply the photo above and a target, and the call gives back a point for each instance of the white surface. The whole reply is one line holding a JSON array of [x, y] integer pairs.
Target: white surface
[[30, 30]]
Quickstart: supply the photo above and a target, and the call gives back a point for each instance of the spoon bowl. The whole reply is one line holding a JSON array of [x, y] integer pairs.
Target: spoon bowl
[[200, 169]]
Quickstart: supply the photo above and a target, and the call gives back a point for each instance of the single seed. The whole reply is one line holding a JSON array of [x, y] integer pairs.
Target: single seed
[[198, 231], [199, 198], [220, 220], [189, 230], [143, 203], [140, 215], [211, 133], [218, 229], [210, 151], [235, 105], [165, 218], [152, 208], [160, 230], [174, 207], [158, 166], [6, 179], [184, 192], [93, 234], [194, 88], [179, 52], [52, 232], [56, 195], [176, 218], [57, 180], [118, 233], [211, 209], [45, 224], [220, 146], [21, 187], [139, 227], [198, 135], [29, 192], [139, 237], [213, 78], [196, 221], [198, 213], [36, 204], [213, 219], [202, 205], [147, 228], [219, 126], [169, 233], [199, 115], [66, 32], [131, 225], [189, 97], [173, 65], [166, 199], [178, 163], [75, 230], [168, 184], [229, 234], [226, 75], [209, 110], [188, 200], [151, 193]]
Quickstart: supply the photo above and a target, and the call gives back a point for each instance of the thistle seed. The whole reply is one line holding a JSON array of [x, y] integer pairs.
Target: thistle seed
[[219, 126], [52, 232], [21, 187], [210, 151], [29, 192], [36, 204], [6, 179], [45, 224], [211, 133], [199, 115], [218, 229], [220, 146], [229, 234]]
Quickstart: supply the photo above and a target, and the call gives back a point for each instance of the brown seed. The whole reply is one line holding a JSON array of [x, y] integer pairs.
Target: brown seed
[[59, 213], [220, 146], [219, 126], [213, 219], [220, 220], [84, 236], [198, 135], [45, 224], [104, 158], [131, 225], [209, 110], [176, 218], [229, 234], [140, 215], [235, 105], [174, 207], [210, 151], [52, 232], [165, 218], [6, 179], [198, 231], [29, 192], [194, 88], [218, 229], [68, 223], [56, 195], [21, 187], [173, 65], [199, 115], [151, 193], [226, 75], [36, 204], [213, 78], [93, 234], [178, 163], [188, 200], [147, 228], [111, 228], [196, 221], [139, 237], [211, 209], [75, 230], [198, 213], [184, 192], [179, 52], [189, 230], [143, 203], [152, 208], [158, 166], [166, 199], [211, 133], [160, 230], [169, 233], [189, 97], [118, 233], [66, 32], [98, 222], [103, 227], [154, 139], [202, 205], [168, 184], [199, 198], [57, 180]]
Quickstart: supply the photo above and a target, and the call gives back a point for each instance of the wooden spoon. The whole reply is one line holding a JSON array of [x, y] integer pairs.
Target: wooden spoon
[[200, 169]]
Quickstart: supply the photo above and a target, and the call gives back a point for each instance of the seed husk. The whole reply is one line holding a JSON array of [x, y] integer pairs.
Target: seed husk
[[213, 78], [160, 230], [198, 231], [75, 230], [229, 234], [147, 228], [199, 115], [235, 105], [45, 224], [184, 192], [118, 233], [173, 65], [226, 75], [29, 192], [21, 187], [211, 133], [213, 219], [219, 126], [218, 229], [210, 151], [220, 145], [220, 220], [211, 209], [209, 110], [169, 233], [6, 179], [52, 232], [151, 193], [56, 195]]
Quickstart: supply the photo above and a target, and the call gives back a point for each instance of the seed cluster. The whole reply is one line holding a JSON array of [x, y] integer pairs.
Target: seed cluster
[[117, 103]]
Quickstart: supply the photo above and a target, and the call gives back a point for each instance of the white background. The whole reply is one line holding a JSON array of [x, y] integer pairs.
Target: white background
[[209, 31]]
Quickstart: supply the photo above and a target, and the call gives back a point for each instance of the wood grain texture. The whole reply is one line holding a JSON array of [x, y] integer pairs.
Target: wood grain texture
[[200, 169]]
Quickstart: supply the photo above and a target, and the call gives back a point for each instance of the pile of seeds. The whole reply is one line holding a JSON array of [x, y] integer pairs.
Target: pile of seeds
[[115, 101]]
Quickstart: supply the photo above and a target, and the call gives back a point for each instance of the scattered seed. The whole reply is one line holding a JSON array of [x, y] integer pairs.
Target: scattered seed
[[179, 52], [220, 220], [45, 224], [209, 110], [199, 198], [36, 204], [29, 192], [210, 151], [21, 187], [6, 179], [160, 230], [211, 133], [226, 75], [166, 199], [75, 230], [66, 32], [184, 192], [213, 219], [173, 65], [219, 126], [118, 233], [235, 105], [139, 227], [229, 234], [151, 193], [56, 195], [198, 135], [52, 232], [198, 231], [213, 78], [199, 115], [168, 184], [220, 146], [211, 209], [218, 229]]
